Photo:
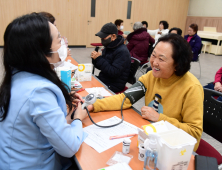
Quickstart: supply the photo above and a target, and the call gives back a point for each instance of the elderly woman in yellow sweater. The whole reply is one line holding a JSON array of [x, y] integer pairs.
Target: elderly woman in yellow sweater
[[179, 92]]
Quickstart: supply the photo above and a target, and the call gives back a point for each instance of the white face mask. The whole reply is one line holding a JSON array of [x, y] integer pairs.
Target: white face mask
[[121, 27], [62, 51]]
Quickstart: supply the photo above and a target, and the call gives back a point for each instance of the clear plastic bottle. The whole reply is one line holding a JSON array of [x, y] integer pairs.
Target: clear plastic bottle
[[151, 153]]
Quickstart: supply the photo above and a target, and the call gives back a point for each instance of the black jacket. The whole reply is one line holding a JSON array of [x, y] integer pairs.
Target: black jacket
[[114, 64]]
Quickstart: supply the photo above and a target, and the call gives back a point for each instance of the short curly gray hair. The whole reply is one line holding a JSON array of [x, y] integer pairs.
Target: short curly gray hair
[[137, 26]]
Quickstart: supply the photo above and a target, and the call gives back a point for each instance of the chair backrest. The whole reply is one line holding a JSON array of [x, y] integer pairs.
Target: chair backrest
[[126, 32], [199, 52], [135, 63], [210, 29], [212, 120]]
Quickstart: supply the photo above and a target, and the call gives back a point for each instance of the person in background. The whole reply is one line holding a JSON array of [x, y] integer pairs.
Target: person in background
[[160, 32], [175, 30], [194, 40], [139, 41], [49, 17], [180, 93], [120, 27], [216, 85], [115, 60], [52, 19], [37, 130], [145, 24]]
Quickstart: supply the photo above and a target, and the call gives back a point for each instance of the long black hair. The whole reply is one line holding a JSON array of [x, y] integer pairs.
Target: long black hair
[[27, 42]]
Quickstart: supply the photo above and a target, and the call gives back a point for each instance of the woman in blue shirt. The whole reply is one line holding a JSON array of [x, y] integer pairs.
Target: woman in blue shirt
[[34, 123]]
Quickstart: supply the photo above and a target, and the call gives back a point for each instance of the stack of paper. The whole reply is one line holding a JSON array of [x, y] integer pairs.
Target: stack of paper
[[119, 166], [98, 138], [98, 91]]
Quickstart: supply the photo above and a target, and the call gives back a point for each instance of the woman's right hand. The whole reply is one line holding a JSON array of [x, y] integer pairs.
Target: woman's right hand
[[79, 114]]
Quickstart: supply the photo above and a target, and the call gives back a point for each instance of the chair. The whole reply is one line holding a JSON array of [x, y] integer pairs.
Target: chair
[[198, 59], [96, 44], [135, 63], [147, 64], [205, 44], [126, 32], [212, 124], [141, 69]]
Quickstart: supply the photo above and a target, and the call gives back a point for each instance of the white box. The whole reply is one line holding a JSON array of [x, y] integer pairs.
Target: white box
[[176, 150], [174, 147], [84, 72]]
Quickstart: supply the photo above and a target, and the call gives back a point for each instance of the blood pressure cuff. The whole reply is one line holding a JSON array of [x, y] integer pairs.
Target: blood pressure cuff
[[135, 92]]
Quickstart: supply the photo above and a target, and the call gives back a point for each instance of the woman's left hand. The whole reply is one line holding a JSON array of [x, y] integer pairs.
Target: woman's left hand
[[78, 96], [149, 113]]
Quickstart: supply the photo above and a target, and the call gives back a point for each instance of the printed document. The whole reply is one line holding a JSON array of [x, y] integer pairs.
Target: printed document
[[98, 91], [121, 166], [98, 138]]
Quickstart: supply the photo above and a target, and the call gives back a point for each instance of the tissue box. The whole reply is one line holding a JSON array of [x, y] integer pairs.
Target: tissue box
[[84, 72], [66, 77]]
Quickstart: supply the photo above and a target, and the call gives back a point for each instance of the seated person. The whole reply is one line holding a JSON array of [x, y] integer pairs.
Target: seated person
[[52, 19], [216, 85], [119, 25], [145, 24], [194, 40], [115, 60], [175, 30], [160, 32], [35, 123], [180, 93], [139, 41]]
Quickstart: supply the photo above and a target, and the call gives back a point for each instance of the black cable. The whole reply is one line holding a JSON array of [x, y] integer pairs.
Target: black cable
[[109, 125]]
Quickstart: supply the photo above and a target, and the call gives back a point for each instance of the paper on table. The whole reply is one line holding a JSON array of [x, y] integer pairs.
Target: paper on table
[[123, 158], [69, 65], [121, 166], [98, 91], [98, 138]]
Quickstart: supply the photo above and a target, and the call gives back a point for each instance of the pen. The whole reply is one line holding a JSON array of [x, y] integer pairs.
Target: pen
[[121, 136], [80, 90]]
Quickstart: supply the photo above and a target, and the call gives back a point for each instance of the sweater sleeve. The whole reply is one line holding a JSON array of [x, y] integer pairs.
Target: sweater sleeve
[[218, 76], [111, 103], [151, 40], [192, 114], [115, 68], [48, 116], [164, 32], [152, 32]]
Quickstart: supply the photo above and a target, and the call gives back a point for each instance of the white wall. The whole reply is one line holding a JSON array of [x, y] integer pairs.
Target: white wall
[[206, 8]]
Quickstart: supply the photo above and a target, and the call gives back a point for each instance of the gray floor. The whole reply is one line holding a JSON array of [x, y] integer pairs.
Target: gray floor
[[209, 66]]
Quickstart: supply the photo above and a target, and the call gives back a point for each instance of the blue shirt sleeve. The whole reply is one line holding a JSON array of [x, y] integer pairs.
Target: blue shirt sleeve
[[49, 117]]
